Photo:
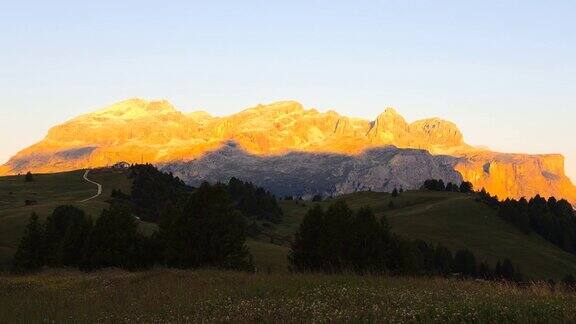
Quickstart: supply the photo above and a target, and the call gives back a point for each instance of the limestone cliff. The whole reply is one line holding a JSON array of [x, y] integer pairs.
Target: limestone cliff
[[517, 175], [138, 131]]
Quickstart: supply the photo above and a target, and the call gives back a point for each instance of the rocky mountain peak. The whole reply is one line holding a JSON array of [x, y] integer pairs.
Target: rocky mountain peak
[[135, 108], [278, 108], [389, 126], [438, 131], [138, 130]]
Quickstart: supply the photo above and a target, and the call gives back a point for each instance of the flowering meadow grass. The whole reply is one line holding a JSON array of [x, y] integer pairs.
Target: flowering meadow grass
[[161, 295]]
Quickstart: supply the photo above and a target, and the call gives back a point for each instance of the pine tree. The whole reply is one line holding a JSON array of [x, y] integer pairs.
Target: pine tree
[[466, 187], [169, 214], [367, 242], [66, 231], [451, 187], [29, 255], [405, 257], [28, 177], [427, 264], [443, 260], [465, 263], [508, 271], [306, 254], [336, 242], [112, 240], [209, 232], [484, 271], [498, 272], [441, 186]]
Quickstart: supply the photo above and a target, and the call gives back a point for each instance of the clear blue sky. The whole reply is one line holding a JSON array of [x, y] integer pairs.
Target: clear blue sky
[[504, 71]]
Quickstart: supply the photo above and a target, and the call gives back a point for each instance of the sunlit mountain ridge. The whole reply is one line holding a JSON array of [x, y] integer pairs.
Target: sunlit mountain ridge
[[138, 131]]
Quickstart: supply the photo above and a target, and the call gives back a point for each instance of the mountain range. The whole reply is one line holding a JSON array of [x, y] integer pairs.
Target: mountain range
[[290, 150]]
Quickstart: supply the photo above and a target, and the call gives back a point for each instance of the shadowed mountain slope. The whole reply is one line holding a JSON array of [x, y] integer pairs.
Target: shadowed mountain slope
[[306, 174]]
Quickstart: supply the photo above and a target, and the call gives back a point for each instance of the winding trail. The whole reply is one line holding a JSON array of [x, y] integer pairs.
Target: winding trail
[[96, 183]]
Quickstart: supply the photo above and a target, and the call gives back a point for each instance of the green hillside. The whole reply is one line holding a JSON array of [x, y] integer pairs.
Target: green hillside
[[456, 220], [49, 191]]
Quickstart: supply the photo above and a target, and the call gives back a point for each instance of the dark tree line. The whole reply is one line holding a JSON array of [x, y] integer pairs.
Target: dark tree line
[[70, 238], [153, 191], [438, 185], [205, 231], [338, 239], [254, 201], [552, 219]]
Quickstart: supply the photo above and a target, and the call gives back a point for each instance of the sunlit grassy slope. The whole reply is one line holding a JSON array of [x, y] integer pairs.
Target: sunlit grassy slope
[[187, 296], [50, 191], [455, 220]]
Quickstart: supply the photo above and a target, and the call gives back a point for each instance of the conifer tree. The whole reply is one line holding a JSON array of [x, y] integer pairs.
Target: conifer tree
[[367, 242], [484, 271], [466, 187], [66, 231], [508, 271], [465, 263], [443, 260], [306, 254], [427, 264], [336, 240], [112, 240], [208, 232], [29, 256]]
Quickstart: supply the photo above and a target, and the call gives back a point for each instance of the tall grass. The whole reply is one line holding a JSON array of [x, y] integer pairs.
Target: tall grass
[[162, 295]]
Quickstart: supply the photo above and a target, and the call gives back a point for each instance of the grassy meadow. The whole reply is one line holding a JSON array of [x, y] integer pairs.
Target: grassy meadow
[[273, 293], [161, 295], [456, 220], [49, 191]]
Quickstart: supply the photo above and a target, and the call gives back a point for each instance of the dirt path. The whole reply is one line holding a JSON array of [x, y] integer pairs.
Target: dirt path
[[96, 183]]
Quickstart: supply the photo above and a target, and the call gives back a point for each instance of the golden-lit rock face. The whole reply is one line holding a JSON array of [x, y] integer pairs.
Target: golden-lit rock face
[[139, 131], [517, 175]]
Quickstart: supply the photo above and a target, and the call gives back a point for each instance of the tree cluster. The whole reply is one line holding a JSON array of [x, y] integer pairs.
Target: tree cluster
[[152, 190], [338, 239], [69, 237], [438, 185], [552, 219], [254, 201], [491, 201], [206, 231], [28, 177]]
